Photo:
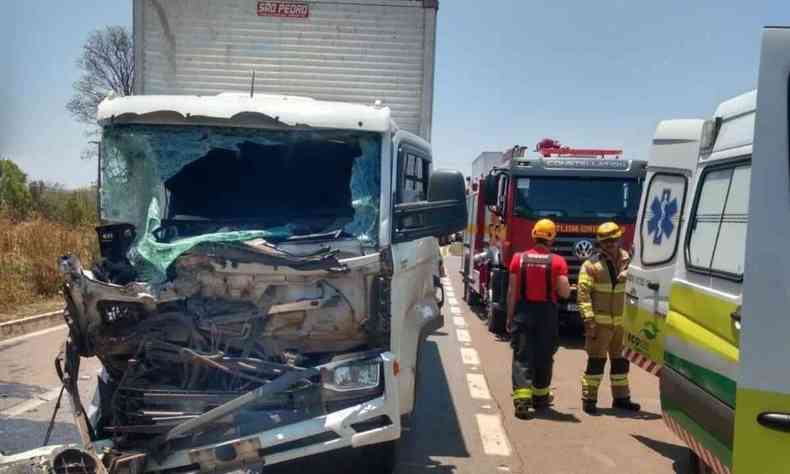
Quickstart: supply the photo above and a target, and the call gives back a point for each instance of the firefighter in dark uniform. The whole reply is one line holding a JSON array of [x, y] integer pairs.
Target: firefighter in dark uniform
[[537, 278]]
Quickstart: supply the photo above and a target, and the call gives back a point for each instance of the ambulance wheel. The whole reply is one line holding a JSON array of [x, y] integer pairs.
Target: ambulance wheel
[[697, 465], [380, 458]]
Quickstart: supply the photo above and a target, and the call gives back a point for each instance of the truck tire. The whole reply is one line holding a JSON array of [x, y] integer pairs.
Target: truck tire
[[380, 458]]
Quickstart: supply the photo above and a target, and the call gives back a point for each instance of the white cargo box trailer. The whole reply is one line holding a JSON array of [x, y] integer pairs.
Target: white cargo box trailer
[[357, 51]]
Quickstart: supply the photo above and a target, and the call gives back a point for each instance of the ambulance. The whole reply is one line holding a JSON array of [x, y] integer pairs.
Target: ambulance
[[672, 160], [724, 341]]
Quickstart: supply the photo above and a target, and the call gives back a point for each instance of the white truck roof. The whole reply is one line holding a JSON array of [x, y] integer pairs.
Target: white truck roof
[[288, 110], [354, 51]]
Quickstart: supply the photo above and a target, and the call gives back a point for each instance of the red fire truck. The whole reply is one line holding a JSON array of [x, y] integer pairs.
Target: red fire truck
[[576, 188]]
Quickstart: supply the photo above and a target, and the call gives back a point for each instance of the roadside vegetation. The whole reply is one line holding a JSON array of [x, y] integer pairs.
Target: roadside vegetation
[[39, 222]]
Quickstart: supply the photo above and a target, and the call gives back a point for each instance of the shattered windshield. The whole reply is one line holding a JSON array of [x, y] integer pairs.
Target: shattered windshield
[[208, 179]]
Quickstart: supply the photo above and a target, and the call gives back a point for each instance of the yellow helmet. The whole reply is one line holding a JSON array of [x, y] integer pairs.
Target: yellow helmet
[[544, 229], [608, 231]]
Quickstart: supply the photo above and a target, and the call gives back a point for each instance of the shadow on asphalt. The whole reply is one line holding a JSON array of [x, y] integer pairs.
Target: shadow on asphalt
[[20, 434], [677, 453], [553, 415], [20, 390], [435, 432], [640, 415]]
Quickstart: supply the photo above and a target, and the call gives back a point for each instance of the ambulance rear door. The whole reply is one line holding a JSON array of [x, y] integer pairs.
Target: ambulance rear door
[[673, 158], [762, 418]]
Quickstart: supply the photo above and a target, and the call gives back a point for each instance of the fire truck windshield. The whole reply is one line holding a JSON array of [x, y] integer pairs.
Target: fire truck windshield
[[580, 198]]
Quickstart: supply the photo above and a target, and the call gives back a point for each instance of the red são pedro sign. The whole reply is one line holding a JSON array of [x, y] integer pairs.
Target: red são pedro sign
[[283, 9]]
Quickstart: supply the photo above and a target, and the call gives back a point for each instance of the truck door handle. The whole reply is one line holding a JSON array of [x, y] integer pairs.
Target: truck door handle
[[775, 421], [653, 285]]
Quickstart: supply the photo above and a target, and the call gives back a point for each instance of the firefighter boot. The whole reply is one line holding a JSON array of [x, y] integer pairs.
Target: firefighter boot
[[589, 407], [626, 404], [541, 399], [522, 402]]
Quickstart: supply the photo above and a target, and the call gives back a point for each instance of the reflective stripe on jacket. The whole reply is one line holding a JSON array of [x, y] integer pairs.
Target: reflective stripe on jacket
[[598, 297]]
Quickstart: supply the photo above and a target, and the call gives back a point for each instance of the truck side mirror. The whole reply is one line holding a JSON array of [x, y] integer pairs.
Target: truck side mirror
[[490, 190], [441, 215]]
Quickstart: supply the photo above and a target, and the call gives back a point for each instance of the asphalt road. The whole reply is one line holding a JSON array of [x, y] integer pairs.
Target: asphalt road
[[464, 420]]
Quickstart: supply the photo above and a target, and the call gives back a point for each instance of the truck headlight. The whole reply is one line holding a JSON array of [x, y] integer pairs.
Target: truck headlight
[[354, 376]]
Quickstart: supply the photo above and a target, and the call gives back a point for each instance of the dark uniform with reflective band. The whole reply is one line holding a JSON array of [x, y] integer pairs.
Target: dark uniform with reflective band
[[535, 328]]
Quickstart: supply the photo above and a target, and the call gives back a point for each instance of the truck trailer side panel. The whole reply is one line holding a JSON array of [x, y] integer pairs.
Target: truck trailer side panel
[[356, 51]]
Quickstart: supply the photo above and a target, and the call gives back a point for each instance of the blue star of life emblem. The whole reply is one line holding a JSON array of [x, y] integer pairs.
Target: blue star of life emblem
[[662, 210]]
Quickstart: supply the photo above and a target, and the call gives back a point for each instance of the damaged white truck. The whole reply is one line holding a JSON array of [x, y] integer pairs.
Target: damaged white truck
[[270, 263]]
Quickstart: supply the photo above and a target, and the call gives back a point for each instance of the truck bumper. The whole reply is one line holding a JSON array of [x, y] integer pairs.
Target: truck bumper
[[372, 422]]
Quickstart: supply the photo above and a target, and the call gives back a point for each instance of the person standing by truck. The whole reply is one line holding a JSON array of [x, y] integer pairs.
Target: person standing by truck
[[537, 278], [601, 296]]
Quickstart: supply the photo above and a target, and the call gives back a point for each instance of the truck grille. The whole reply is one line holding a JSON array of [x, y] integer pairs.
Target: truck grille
[[564, 246]]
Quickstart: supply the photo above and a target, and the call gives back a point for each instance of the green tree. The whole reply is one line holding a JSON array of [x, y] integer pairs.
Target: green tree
[[15, 198]]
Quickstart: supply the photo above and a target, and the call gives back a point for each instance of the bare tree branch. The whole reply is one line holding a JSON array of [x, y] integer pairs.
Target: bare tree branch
[[107, 64]]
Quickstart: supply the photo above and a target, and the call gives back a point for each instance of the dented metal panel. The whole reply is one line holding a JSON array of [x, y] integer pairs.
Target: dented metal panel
[[356, 52]]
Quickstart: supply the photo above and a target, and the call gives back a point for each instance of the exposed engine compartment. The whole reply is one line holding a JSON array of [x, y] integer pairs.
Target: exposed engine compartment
[[231, 322]]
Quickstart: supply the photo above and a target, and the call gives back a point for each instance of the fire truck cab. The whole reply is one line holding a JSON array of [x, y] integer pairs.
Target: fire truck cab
[[577, 188]]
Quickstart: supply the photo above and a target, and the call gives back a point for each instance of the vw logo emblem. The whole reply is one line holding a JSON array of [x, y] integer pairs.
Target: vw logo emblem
[[583, 249]]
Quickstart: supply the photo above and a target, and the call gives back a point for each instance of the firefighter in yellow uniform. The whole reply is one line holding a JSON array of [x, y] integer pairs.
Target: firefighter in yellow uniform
[[601, 298]]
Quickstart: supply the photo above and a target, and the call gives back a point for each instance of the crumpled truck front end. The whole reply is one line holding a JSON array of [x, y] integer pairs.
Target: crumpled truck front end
[[248, 354]]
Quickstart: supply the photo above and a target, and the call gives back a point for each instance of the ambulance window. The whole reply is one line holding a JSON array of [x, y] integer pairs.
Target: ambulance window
[[731, 246], [717, 235], [660, 227]]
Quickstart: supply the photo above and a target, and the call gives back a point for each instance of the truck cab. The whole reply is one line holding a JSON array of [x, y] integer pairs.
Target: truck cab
[[673, 159], [270, 271]]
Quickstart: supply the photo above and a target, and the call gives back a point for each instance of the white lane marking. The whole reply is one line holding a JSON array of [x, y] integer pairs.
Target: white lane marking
[[469, 356], [455, 310], [463, 335], [495, 442], [478, 387], [12, 340], [452, 301], [25, 407], [459, 321]]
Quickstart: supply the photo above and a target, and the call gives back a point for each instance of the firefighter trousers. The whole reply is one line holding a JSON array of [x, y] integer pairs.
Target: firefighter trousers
[[534, 341], [606, 340]]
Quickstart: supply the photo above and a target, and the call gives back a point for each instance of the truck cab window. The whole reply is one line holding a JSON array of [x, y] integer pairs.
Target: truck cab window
[[415, 178]]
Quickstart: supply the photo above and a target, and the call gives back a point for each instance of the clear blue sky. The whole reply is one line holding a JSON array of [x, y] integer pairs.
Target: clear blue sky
[[508, 71]]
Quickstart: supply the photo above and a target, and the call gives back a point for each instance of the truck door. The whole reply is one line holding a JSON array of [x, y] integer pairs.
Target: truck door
[[415, 263], [762, 419], [673, 157]]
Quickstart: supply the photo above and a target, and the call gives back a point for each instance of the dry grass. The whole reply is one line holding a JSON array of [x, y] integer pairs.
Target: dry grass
[[29, 253]]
